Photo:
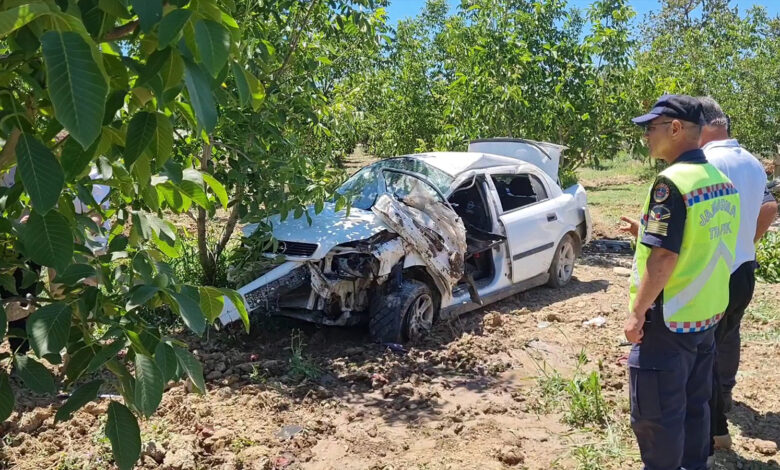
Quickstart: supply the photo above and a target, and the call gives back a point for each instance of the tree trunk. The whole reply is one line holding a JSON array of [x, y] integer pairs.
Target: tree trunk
[[207, 261]]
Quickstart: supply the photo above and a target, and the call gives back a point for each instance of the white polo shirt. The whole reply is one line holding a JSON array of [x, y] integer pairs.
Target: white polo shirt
[[747, 175]]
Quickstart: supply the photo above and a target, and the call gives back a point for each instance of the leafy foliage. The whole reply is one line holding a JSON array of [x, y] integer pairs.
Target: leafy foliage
[[768, 257], [505, 68], [709, 47], [91, 94]]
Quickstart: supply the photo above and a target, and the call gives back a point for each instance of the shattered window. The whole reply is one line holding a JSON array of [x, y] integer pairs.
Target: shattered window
[[515, 191], [364, 186]]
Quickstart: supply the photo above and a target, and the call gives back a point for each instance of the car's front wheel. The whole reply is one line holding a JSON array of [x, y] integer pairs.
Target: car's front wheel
[[404, 315], [562, 266]]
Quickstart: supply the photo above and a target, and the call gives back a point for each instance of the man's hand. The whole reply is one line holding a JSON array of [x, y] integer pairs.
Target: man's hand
[[633, 327], [766, 215], [632, 227]]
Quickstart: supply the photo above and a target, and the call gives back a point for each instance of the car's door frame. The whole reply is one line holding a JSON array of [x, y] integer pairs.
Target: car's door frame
[[533, 231]]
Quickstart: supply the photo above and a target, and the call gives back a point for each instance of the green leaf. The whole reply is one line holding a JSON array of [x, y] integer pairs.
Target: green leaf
[[141, 225], [3, 324], [218, 189], [172, 73], [149, 385], [14, 18], [192, 367], [77, 363], [140, 132], [123, 432], [241, 84], [256, 90], [166, 361], [80, 397], [211, 302], [190, 312], [75, 159], [192, 185], [35, 375], [201, 97], [162, 140], [41, 173], [77, 87], [238, 301], [105, 354], [48, 239], [170, 26], [136, 342], [154, 64], [149, 13], [48, 328], [140, 295], [115, 8], [213, 42], [7, 401], [74, 274], [158, 225]]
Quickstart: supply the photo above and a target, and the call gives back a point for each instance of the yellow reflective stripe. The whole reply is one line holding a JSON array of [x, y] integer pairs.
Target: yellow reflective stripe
[[685, 296]]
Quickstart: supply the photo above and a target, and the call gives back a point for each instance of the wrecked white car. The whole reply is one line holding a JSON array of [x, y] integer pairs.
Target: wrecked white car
[[428, 236]]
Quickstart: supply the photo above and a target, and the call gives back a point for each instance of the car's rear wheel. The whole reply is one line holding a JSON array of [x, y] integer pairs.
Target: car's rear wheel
[[562, 266], [404, 315]]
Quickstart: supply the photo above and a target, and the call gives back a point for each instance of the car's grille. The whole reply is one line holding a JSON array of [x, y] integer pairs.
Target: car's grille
[[296, 248]]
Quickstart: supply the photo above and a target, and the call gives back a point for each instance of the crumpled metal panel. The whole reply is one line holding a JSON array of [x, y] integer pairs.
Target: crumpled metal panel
[[430, 228]]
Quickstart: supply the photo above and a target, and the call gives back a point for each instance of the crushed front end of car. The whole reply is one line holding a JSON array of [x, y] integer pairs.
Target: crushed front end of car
[[342, 264]]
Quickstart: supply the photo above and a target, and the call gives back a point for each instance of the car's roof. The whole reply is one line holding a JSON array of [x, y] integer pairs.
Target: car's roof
[[455, 163]]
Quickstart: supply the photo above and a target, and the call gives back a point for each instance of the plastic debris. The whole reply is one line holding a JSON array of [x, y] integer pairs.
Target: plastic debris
[[595, 322], [288, 431]]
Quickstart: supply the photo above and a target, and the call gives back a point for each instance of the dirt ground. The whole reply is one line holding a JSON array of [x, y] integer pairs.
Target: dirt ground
[[476, 395], [502, 387]]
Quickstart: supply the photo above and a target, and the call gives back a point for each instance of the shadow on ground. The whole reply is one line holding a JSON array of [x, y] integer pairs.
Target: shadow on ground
[[756, 425], [346, 365]]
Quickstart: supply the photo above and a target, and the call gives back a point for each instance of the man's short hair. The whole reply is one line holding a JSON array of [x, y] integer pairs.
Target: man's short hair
[[712, 113]]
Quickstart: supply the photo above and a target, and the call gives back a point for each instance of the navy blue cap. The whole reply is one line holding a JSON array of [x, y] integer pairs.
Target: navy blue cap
[[683, 107]]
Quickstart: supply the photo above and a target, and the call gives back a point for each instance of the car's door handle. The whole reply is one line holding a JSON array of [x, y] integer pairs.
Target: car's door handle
[[552, 217]]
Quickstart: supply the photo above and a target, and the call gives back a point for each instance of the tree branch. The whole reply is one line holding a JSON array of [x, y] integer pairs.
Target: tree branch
[[294, 42], [121, 32], [203, 250], [9, 149], [231, 222]]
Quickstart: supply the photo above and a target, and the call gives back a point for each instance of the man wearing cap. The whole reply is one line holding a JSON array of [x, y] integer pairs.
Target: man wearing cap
[[758, 211], [679, 289]]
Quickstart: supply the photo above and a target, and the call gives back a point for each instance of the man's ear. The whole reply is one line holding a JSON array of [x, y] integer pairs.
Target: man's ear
[[677, 127]]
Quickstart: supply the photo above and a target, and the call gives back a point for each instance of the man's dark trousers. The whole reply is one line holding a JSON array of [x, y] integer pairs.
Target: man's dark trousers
[[670, 383], [728, 343]]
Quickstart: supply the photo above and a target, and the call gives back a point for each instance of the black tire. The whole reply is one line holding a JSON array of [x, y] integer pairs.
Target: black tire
[[391, 317], [562, 266]]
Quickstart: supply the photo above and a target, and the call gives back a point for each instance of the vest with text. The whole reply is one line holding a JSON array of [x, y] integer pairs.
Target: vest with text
[[697, 292]]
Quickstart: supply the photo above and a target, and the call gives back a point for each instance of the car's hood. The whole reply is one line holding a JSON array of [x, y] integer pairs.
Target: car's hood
[[328, 228]]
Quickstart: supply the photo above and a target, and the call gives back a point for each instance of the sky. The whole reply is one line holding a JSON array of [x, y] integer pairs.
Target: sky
[[399, 9]]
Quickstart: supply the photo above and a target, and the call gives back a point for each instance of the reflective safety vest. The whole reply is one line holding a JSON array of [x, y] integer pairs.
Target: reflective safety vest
[[697, 292]]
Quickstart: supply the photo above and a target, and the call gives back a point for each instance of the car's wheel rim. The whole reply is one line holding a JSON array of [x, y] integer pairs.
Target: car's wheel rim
[[565, 261], [420, 317]]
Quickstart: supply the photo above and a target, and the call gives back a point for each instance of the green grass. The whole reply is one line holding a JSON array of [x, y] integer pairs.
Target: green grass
[[614, 445], [585, 403], [623, 168], [579, 397], [764, 312], [762, 321], [301, 366], [618, 188], [240, 443]]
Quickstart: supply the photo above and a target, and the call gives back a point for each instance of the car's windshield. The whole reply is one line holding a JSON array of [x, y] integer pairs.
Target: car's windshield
[[364, 186]]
